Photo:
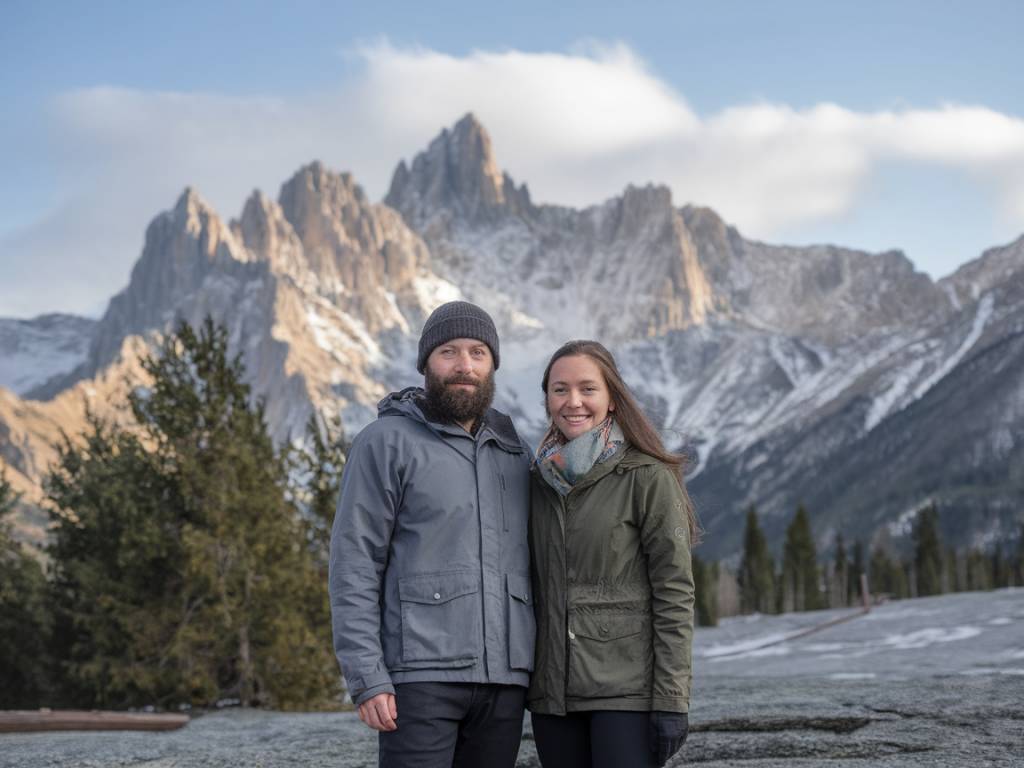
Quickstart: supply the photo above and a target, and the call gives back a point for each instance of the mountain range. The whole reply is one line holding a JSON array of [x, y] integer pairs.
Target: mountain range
[[842, 380]]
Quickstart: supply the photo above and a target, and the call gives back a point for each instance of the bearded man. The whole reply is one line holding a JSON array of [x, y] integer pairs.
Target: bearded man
[[429, 574]]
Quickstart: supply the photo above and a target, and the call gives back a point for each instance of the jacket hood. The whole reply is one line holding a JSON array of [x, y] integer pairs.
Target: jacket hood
[[408, 403], [633, 458]]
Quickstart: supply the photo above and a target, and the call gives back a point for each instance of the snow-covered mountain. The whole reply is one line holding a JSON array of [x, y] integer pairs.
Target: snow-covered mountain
[[34, 351], [769, 363], [839, 378]]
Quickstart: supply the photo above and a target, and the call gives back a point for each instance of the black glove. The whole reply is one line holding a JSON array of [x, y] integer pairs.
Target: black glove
[[667, 733]]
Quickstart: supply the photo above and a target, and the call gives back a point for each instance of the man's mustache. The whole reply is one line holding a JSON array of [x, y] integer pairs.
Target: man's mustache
[[461, 380]]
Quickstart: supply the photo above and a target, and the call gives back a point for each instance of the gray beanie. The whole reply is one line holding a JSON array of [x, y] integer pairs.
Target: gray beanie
[[456, 320]]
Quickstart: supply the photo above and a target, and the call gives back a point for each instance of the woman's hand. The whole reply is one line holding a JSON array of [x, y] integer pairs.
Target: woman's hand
[[667, 733]]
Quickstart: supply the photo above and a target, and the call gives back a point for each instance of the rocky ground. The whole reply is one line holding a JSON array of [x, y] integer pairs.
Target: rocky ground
[[929, 682]]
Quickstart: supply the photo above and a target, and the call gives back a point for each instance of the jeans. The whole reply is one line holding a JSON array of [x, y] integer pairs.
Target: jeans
[[454, 725]]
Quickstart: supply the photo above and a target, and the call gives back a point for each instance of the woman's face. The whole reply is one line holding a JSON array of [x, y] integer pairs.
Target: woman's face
[[578, 398]]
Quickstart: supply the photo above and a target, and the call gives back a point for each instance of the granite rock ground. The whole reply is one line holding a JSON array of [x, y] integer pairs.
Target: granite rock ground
[[929, 682]]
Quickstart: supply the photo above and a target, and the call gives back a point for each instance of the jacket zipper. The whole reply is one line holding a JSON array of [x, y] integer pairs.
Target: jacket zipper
[[504, 511]]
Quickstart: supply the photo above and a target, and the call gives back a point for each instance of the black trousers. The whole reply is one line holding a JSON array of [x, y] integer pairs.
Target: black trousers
[[454, 725], [593, 740]]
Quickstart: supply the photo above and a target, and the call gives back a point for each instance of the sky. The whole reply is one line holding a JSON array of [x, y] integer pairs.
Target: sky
[[871, 125]]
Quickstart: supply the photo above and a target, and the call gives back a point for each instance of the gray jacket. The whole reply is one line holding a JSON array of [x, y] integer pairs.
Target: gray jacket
[[430, 571]]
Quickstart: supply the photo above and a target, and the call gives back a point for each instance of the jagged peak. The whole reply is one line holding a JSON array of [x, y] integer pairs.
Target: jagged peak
[[317, 180], [649, 195], [258, 207], [191, 204], [458, 172]]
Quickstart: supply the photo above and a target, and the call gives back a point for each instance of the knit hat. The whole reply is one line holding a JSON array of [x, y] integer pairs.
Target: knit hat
[[456, 320]]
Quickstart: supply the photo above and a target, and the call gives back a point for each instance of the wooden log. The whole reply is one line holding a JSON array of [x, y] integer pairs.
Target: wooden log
[[13, 721]]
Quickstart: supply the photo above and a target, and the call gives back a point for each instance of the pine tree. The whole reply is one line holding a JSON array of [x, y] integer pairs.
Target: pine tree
[[951, 571], [244, 553], [979, 571], [928, 552], [887, 575], [24, 615], [840, 575], [1001, 568], [118, 577], [756, 574], [183, 569], [853, 591], [800, 564], [704, 582], [319, 467], [1019, 559]]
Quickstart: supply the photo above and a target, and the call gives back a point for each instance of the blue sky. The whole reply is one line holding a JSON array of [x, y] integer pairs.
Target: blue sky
[[872, 125]]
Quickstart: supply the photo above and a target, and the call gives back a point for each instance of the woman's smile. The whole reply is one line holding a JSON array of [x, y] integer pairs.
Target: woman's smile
[[577, 395]]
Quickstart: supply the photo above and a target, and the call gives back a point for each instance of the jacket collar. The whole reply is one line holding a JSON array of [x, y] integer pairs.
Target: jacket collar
[[496, 425]]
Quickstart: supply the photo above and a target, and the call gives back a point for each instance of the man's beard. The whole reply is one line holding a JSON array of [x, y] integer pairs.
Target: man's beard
[[450, 404]]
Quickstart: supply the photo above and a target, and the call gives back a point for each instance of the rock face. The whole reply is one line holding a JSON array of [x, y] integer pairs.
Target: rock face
[[823, 375]]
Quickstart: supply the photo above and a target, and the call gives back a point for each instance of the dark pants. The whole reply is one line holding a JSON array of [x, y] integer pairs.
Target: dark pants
[[593, 740], [454, 725]]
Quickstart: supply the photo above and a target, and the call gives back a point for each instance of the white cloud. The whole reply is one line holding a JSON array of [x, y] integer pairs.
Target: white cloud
[[577, 127]]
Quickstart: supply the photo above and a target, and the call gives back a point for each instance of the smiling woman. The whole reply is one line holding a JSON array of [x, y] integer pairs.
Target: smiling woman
[[611, 527]]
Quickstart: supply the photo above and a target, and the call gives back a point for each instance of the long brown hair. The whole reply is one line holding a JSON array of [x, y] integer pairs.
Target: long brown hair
[[635, 426]]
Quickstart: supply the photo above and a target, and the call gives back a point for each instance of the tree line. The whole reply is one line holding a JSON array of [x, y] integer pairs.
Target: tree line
[[187, 556], [801, 581]]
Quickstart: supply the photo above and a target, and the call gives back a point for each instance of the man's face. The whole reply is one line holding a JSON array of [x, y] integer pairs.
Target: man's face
[[460, 379]]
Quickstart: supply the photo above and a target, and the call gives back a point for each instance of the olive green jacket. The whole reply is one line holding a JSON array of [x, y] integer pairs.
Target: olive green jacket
[[613, 590]]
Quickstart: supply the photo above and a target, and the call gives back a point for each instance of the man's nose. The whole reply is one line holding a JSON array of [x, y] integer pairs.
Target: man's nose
[[464, 362]]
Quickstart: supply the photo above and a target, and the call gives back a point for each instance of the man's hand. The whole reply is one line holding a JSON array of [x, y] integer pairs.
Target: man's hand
[[380, 712]]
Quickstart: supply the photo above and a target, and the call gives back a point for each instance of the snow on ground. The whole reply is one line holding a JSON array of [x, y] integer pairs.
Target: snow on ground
[[961, 633]]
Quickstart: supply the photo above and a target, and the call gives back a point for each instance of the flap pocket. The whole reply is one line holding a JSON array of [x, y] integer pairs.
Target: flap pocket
[[519, 587], [437, 588], [600, 627]]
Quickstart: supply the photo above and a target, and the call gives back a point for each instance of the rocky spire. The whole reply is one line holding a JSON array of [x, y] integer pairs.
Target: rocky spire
[[182, 247], [458, 174]]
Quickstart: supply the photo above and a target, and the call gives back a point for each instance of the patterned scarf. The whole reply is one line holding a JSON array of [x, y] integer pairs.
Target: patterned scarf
[[562, 463]]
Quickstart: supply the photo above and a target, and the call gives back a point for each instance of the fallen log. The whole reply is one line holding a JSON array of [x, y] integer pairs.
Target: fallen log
[[13, 721]]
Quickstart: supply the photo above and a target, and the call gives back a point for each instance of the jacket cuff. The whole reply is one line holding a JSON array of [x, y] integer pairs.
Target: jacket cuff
[[670, 704], [369, 686]]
